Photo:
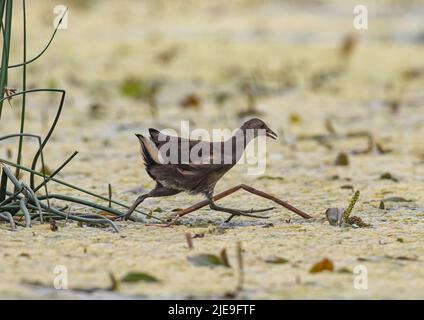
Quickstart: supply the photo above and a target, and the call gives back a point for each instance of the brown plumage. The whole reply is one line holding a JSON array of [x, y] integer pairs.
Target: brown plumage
[[199, 176]]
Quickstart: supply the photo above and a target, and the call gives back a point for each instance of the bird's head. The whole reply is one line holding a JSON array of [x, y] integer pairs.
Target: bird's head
[[258, 125]]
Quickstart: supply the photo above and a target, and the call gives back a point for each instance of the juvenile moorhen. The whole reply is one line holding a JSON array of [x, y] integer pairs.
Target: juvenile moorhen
[[199, 175]]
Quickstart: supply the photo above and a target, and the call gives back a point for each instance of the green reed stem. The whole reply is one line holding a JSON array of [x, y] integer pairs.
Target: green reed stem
[[23, 106], [77, 188], [6, 48]]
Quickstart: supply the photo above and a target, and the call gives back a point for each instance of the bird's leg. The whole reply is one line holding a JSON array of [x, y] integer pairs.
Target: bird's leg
[[227, 192], [276, 200], [137, 201], [158, 191]]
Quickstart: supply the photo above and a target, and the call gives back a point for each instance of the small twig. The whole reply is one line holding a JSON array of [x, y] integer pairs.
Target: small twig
[[240, 279], [189, 240], [110, 195]]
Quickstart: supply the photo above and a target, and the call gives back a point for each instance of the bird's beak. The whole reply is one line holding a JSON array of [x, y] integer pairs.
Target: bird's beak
[[271, 134]]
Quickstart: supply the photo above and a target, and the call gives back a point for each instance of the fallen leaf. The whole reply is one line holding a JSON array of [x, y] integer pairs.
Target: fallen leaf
[[191, 101], [276, 260], [224, 258], [342, 159], [139, 276], [396, 199], [405, 258], [344, 270], [323, 265], [295, 118], [388, 176], [205, 260]]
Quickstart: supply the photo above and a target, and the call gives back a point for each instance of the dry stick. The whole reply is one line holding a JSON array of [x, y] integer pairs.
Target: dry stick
[[189, 240], [67, 216], [110, 195], [240, 280]]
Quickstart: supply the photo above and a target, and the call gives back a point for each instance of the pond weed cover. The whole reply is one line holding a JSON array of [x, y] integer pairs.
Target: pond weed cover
[[256, 59]]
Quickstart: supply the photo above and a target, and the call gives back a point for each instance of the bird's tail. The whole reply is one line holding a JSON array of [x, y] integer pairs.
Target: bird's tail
[[148, 151]]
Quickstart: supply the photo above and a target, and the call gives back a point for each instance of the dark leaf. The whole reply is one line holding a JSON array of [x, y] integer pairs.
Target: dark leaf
[[388, 176], [139, 276], [344, 270], [276, 260], [224, 258], [396, 199], [342, 159], [205, 260]]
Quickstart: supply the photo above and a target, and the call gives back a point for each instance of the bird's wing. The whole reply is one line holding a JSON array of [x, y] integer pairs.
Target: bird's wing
[[159, 139], [201, 156]]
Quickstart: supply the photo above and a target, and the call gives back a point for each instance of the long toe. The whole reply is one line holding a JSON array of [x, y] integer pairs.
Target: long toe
[[244, 214], [258, 210]]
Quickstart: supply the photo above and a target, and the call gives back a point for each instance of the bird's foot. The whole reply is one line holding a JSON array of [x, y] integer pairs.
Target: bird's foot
[[164, 225], [160, 225], [242, 213]]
